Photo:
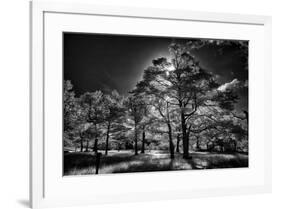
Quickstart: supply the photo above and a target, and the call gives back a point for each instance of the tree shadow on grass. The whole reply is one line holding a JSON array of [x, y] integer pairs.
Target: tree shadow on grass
[[219, 160], [85, 160], [84, 163]]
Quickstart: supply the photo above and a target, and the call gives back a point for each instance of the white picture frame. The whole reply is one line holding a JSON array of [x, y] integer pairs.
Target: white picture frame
[[42, 179]]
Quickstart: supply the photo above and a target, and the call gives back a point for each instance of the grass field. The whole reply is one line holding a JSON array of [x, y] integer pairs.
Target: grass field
[[82, 163]]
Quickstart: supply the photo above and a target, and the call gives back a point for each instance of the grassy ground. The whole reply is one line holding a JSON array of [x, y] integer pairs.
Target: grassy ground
[[125, 162]]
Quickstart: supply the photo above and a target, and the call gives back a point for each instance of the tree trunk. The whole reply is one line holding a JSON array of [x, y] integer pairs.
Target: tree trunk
[[235, 146], [171, 144], [172, 155], [87, 146], [210, 146], [178, 143], [184, 137], [187, 141], [197, 144], [81, 143], [107, 138], [136, 139], [143, 141], [222, 148], [95, 148]]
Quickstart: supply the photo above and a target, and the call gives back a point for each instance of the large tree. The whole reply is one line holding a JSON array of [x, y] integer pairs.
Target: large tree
[[182, 83]]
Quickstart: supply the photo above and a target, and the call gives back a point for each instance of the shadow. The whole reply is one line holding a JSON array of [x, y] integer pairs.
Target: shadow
[[219, 160], [148, 165], [127, 162], [24, 203], [85, 160]]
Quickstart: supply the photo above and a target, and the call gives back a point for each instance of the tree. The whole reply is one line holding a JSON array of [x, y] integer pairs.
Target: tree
[[190, 85], [220, 128], [144, 107], [164, 109], [135, 106], [92, 104], [177, 132], [69, 106], [82, 131], [154, 90], [119, 133], [74, 117], [114, 109], [182, 84]]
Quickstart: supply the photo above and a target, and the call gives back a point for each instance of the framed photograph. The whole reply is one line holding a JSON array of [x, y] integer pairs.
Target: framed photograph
[[133, 104]]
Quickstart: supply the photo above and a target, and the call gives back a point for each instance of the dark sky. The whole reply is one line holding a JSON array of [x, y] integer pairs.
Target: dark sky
[[105, 62]]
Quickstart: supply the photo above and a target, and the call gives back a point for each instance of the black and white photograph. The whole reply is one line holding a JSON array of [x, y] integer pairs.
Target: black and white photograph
[[145, 103]]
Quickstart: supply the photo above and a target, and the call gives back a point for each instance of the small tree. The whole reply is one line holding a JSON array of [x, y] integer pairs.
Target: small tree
[[135, 107], [113, 109], [74, 117], [93, 107], [69, 106]]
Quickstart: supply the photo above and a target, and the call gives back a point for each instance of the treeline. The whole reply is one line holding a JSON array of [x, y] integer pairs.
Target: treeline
[[177, 106]]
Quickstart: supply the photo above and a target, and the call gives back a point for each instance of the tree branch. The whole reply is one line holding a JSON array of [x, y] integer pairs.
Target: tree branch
[[239, 117]]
